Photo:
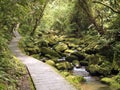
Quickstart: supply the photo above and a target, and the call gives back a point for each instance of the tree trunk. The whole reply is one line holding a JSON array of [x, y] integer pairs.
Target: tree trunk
[[38, 20], [86, 8]]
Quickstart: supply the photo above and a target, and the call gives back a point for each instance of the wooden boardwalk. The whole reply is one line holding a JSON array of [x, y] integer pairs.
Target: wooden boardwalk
[[44, 77]]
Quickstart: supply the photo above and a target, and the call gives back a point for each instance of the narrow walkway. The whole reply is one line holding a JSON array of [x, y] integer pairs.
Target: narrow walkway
[[43, 76]]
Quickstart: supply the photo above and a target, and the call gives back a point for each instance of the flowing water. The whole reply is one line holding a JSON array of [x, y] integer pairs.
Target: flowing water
[[92, 83]]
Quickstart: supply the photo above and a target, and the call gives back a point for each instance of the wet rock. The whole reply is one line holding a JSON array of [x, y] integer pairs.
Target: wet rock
[[76, 63]]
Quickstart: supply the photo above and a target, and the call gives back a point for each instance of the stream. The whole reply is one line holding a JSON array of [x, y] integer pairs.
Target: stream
[[92, 83]]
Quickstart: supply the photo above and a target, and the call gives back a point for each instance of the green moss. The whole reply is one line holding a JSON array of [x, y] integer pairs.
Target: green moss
[[93, 69], [69, 51], [49, 51], [64, 66], [65, 73], [36, 56], [108, 81], [75, 79], [113, 82], [2, 86], [103, 69], [50, 62], [43, 43], [61, 47], [84, 63], [76, 63], [79, 55], [71, 58]]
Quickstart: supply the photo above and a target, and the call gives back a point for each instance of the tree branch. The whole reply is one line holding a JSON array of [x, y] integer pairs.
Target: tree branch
[[118, 12]]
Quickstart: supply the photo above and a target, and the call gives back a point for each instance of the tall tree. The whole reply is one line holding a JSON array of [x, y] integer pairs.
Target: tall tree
[[37, 8], [86, 6]]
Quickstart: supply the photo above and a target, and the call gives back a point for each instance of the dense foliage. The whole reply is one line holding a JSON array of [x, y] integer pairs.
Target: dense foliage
[[90, 27], [11, 69], [80, 32]]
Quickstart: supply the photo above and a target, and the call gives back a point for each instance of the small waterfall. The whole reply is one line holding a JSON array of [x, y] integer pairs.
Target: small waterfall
[[92, 83], [82, 72]]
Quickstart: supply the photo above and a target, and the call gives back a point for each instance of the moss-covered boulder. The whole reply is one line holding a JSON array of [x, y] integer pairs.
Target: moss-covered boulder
[[95, 59], [43, 43], [64, 66], [61, 47], [50, 62], [79, 55], [49, 51], [106, 68], [91, 51], [52, 39], [71, 45], [65, 73], [108, 81], [36, 56], [69, 51], [71, 58], [75, 79], [93, 69], [103, 69], [84, 63], [112, 82], [76, 63]]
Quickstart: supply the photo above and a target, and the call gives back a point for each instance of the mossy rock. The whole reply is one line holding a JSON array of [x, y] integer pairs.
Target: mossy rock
[[112, 82], [75, 79], [71, 58], [64, 66], [79, 55], [91, 51], [32, 50], [43, 43], [65, 73], [79, 49], [117, 78], [51, 57], [36, 56], [52, 39], [95, 59], [61, 47], [50, 62], [49, 51], [108, 81], [69, 51], [94, 69], [84, 63], [103, 69], [71, 45], [76, 63]]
